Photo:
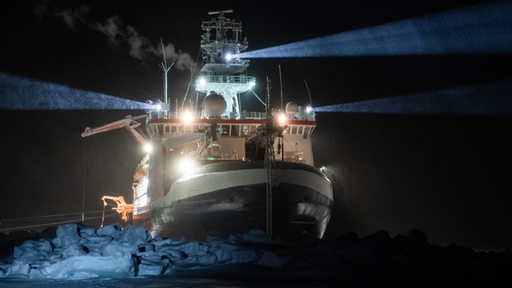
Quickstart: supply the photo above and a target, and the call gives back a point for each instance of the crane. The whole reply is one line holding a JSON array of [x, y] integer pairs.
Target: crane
[[131, 125], [121, 207]]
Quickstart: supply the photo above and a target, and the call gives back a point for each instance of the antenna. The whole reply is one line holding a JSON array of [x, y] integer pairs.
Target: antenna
[[166, 69], [309, 94], [281, 86], [220, 12]]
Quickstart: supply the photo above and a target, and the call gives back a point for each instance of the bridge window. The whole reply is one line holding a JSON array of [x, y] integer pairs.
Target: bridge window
[[224, 130], [307, 130], [234, 130], [245, 130]]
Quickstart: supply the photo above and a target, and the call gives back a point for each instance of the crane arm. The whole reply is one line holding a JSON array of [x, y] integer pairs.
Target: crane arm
[[128, 122]]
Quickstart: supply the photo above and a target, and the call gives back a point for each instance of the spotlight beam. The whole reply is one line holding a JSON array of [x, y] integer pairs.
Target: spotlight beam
[[19, 93], [480, 29], [492, 98]]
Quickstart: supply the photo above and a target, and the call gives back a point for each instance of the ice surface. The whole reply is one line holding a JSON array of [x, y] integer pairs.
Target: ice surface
[[79, 252], [116, 256]]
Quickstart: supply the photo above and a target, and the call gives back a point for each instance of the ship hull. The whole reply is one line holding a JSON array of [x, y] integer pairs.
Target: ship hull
[[226, 198]]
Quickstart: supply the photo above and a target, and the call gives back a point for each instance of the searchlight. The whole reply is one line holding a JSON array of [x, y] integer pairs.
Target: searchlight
[[228, 57], [185, 165], [148, 148], [186, 116], [281, 119], [202, 82]]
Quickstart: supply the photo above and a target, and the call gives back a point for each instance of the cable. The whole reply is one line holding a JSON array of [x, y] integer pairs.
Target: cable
[[259, 98], [191, 77], [47, 216], [84, 180], [51, 223]]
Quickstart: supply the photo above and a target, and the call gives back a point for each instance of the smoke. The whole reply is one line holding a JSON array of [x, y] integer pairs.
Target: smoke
[[71, 17], [117, 33]]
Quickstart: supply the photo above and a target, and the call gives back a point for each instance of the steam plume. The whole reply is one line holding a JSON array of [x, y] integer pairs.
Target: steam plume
[[117, 33]]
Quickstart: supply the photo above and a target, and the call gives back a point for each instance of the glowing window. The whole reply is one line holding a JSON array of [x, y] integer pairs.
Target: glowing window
[[224, 130], [245, 130]]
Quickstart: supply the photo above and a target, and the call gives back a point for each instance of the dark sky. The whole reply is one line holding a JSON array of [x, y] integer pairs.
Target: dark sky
[[444, 174]]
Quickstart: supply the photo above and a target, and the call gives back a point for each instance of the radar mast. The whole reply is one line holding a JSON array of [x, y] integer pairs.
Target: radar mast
[[223, 72]]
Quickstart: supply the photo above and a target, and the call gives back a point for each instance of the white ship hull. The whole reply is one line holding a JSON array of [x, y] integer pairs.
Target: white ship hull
[[224, 198]]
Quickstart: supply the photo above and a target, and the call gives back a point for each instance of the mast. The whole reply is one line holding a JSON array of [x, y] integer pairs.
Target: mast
[[269, 155], [223, 72], [281, 87], [309, 94], [165, 69]]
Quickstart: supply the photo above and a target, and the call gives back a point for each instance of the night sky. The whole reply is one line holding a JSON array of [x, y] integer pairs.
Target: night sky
[[447, 174]]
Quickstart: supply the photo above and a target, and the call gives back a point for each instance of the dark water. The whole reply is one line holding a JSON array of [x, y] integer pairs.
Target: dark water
[[439, 173]]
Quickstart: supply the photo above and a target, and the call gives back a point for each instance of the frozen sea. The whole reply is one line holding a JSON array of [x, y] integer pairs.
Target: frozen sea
[[116, 256]]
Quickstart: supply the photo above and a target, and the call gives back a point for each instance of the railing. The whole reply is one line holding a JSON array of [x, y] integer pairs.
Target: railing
[[238, 79]]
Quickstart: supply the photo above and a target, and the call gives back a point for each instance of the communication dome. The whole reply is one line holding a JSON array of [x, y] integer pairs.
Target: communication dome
[[214, 105], [291, 107]]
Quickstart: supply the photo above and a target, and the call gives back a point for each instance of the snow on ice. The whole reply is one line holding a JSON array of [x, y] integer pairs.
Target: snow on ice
[[120, 254], [79, 252]]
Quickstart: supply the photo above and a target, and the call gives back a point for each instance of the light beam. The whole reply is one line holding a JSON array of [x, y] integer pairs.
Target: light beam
[[479, 29], [20, 93], [494, 98]]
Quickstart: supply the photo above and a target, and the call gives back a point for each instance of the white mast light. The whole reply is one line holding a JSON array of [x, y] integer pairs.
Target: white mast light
[[228, 56], [148, 148], [202, 81]]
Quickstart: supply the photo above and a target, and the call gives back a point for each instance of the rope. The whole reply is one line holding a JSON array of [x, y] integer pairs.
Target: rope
[[52, 223], [84, 179], [103, 216], [191, 78], [257, 97], [46, 216]]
